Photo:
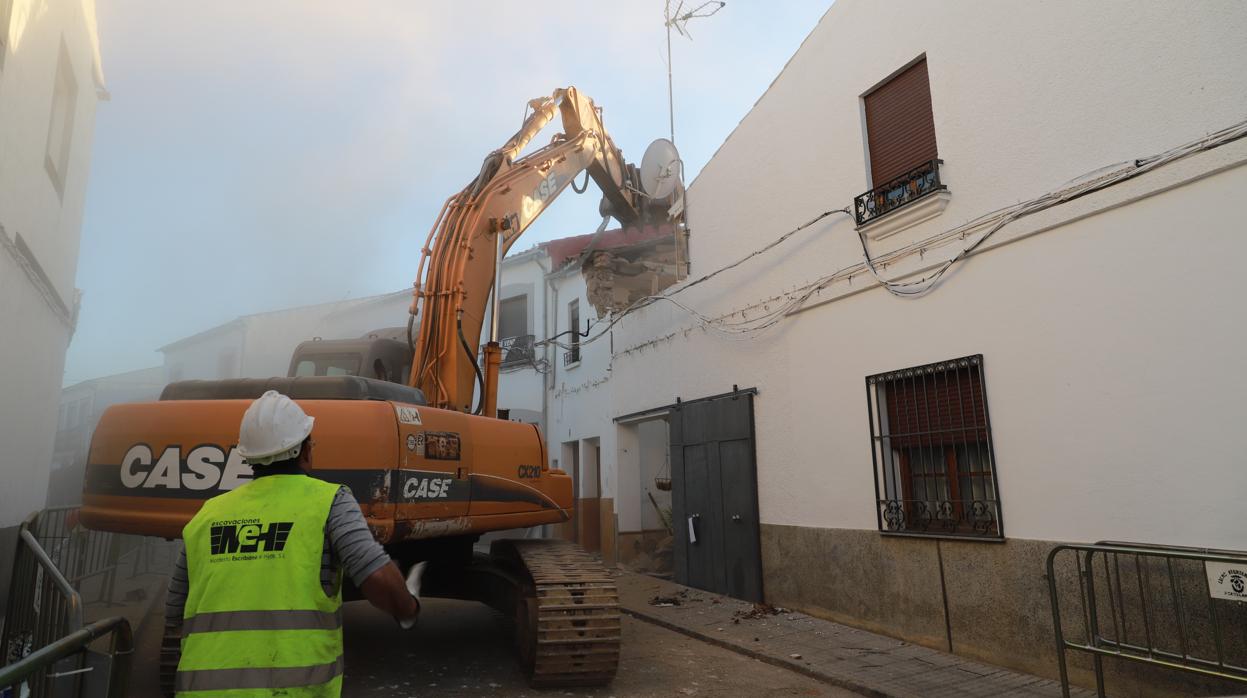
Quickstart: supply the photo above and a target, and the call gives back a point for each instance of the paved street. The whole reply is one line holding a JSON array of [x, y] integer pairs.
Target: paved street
[[459, 650]]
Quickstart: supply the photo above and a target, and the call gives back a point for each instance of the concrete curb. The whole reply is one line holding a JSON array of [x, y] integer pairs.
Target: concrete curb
[[834, 680]]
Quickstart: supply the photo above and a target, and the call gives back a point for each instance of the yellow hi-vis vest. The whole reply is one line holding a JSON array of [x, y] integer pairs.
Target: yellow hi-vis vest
[[257, 621]]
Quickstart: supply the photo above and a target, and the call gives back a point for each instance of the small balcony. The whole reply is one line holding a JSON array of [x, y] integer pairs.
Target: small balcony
[[898, 193], [572, 357], [517, 351]]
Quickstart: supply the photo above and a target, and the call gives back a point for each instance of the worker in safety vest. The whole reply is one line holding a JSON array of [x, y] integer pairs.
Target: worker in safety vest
[[258, 589]]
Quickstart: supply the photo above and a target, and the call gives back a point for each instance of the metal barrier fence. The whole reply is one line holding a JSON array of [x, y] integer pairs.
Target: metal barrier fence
[[72, 645], [45, 609], [1172, 607], [83, 555]]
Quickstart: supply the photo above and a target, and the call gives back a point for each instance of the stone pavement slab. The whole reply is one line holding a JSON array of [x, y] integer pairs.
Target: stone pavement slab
[[861, 661]]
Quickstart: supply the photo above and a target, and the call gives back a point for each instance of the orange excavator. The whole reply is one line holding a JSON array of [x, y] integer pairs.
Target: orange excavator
[[432, 472]]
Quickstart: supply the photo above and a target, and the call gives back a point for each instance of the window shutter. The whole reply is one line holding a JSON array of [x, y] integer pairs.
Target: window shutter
[[934, 409], [900, 129]]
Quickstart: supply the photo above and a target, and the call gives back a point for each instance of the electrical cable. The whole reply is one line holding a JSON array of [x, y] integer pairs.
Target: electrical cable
[[761, 250], [642, 302], [1083, 185], [788, 302]]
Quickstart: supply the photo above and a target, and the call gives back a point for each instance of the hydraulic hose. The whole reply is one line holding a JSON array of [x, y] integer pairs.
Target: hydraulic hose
[[480, 379]]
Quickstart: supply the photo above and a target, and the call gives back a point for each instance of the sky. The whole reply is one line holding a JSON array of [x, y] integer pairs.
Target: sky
[[261, 155]]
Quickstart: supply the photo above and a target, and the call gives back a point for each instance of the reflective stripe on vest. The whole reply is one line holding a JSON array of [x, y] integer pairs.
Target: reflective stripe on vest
[[250, 678], [256, 615], [224, 621]]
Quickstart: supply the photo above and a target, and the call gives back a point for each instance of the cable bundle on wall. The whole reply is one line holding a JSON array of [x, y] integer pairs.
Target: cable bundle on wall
[[776, 308]]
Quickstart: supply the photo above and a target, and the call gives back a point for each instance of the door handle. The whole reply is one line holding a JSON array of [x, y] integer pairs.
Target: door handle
[[692, 528]]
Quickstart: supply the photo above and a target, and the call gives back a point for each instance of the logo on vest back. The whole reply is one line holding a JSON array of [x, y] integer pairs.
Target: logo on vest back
[[248, 536]]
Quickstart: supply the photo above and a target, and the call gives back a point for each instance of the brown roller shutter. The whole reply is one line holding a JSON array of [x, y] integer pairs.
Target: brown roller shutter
[[900, 130], [929, 409]]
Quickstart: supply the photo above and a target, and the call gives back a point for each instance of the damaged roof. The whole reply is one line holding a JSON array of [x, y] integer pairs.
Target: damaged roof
[[566, 250]]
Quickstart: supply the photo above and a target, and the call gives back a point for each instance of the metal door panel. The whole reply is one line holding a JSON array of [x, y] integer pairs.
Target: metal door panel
[[714, 479], [705, 552], [742, 578]]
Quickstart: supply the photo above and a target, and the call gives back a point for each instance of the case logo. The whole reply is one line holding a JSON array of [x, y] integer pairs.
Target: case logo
[[204, 467], [427, 488]]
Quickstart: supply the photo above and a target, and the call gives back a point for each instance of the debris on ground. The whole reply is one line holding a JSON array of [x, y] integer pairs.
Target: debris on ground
[[795, 655], [676, 599], [759, 610]]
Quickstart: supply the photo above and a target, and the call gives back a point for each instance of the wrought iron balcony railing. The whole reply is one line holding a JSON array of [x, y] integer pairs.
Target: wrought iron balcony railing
[[978, 518], [899, 192], [571, 357], [516, 351]]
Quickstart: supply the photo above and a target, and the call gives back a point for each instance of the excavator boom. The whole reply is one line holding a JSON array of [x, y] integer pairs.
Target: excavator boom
[[478, 225]]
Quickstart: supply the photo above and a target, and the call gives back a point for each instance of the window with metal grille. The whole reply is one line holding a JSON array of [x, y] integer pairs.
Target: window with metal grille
[[931, 440]]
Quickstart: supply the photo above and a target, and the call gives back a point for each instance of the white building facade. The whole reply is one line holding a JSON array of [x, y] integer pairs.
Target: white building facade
[[553, 375], [50, 82], [1070, 376], [261, 345], [523, 300]]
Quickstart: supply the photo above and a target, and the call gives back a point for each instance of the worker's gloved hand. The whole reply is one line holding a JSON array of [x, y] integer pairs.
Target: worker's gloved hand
[[413, 588]]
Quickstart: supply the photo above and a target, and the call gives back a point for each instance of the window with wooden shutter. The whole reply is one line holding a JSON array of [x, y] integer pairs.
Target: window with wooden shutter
[[900, 129], [932, 446], [900, 138]]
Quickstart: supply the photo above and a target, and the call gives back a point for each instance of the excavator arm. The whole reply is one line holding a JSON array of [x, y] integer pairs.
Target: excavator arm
[[429, 481], [477, 226]]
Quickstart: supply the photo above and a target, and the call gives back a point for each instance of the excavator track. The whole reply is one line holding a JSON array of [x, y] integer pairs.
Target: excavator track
[[567, 624]]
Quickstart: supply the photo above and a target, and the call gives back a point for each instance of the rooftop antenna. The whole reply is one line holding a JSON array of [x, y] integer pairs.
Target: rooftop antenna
[[677, 18]]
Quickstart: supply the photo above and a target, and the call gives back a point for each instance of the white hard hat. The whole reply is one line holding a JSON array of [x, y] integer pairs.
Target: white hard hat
[[273, 429]]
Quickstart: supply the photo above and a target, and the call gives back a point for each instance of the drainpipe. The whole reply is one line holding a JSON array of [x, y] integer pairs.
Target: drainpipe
[[547, 332], [551, 296]]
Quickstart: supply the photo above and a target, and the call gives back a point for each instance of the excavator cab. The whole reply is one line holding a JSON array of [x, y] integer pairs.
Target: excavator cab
[[376, 355]]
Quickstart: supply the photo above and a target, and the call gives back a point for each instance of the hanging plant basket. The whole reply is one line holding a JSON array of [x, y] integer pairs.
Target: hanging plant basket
[[663, 483]]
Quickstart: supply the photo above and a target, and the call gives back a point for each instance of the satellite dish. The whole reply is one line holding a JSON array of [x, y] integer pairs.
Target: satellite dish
[[661, 169]]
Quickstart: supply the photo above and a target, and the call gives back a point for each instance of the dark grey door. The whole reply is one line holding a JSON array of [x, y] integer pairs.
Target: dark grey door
[[714, 499]]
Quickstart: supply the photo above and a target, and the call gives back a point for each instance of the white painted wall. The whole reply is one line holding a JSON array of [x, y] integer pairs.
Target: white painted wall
[[36, 322], [1111, 326], [358, 319], [262, 344], [579, 400], [521, 389], [272, 337], [49, 222], [199, 357], [655, 462]]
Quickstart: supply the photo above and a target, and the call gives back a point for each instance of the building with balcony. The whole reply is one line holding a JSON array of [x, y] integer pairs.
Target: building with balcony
[[963, 287], [51, 80]]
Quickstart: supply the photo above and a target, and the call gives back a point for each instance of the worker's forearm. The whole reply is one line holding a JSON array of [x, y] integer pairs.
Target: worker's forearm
[[386, 590]]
